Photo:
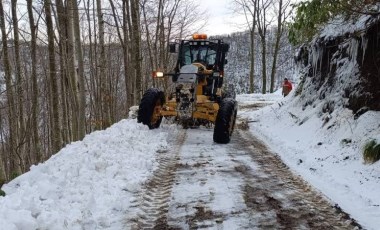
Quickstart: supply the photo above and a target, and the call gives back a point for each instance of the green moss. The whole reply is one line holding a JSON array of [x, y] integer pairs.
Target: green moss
[[371, 152], [300, 87], [14, 175], [2, 181]]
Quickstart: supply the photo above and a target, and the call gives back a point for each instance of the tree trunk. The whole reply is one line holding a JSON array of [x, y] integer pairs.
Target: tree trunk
[[264, 66], [14, 165], [102, 68], [80, 71], [20, 132], [73, 74], [135, 16], [56, 138], [148, 40], [64, 82], [252, 56], [3, 156], [261, 8], [94, 103], [34, 116], [277, 46], [127, 51]]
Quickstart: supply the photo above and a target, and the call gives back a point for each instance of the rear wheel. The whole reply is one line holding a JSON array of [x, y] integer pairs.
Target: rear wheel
[[225, 121], [229, 92], [150, 108]]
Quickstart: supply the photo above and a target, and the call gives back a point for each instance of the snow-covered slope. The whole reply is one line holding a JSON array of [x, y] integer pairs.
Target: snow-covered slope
[[321, 128], [89, 184], [327, 153]]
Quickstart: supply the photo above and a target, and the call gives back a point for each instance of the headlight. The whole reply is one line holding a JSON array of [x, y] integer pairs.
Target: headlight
[[157, 74]]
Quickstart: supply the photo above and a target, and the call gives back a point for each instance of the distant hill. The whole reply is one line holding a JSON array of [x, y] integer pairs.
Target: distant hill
[[238, 67]]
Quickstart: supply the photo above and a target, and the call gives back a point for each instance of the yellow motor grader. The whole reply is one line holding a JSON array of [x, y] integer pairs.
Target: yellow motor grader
[[198, 97]]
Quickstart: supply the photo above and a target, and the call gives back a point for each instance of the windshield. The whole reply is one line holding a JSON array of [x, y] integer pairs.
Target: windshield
[[205, 54]]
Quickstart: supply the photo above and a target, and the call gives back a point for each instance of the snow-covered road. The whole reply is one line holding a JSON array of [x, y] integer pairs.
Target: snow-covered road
[[130, 177], [241, 185]]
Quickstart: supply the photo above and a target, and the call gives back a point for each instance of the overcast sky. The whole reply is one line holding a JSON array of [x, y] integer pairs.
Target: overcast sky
[[222, 19]]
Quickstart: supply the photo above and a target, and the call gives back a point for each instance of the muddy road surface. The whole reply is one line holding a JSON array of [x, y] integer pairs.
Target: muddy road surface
[[240, 185]]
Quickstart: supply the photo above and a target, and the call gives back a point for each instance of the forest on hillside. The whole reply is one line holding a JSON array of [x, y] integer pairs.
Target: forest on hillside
[[71, 67]]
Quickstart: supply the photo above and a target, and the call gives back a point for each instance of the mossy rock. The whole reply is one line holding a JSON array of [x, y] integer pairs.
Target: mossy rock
[[2, 193], [371, 153]]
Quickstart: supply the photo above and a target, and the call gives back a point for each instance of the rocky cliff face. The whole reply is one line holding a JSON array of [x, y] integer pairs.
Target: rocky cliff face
[[341, 67]]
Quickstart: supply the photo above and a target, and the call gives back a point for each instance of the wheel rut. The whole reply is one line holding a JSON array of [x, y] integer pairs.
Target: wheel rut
[[242, 185], [285, 200], [153, 202]]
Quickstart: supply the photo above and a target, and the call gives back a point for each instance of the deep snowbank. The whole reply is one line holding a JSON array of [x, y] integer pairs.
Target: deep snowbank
[[87, 184]]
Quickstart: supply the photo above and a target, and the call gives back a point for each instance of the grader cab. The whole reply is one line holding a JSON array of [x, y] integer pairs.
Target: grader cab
[[198, 97]]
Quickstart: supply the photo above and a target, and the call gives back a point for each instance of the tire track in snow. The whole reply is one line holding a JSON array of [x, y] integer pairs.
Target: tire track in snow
[[153, 200], [207, 192], [209, 177], [285, 200]]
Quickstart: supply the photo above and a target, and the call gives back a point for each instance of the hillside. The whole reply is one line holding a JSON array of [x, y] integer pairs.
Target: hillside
[[321, 129], [238, 67], [340, 68]]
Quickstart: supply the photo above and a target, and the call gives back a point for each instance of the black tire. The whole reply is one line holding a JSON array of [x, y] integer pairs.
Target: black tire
[[229, 92], [225, 121], [151, 99]]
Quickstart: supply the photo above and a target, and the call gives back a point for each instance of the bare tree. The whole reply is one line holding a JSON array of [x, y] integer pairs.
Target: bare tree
[[104, 94], [127, 50], [94, 103], [249, 10], [260, 15], [282, 15], [34, 117], [56, 133], [252, 53], [14, 160], [64, 72], [107, 63], [262, 9], [163, 21], [136, 48], [20, 131], [72, 70], [80, 72]]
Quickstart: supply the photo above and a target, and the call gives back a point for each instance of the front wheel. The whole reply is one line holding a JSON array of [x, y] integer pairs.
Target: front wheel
[[225, 121], [150, 108]]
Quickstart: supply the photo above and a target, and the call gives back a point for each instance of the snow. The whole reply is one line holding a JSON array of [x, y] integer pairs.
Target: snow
[[219, 191], [341, 25], [328, 154], [91, 184], [87, 185]]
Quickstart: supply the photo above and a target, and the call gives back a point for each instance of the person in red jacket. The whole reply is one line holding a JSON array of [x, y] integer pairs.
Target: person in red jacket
[[286, 87]]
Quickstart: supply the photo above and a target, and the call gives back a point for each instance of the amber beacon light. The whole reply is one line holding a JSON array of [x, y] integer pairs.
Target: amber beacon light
[[199, 36]]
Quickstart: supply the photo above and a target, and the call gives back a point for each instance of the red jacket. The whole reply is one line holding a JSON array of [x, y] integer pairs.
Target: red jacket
[[286, 87]]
